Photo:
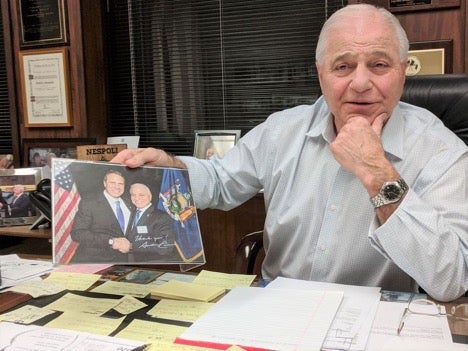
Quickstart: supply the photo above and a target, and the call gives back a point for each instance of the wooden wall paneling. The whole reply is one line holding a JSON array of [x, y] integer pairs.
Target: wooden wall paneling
[[92, 30], [436, 24], [9, 59], [222, 231]]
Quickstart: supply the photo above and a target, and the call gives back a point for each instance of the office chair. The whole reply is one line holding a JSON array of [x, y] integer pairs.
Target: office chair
[[41, 198], [249, 254]]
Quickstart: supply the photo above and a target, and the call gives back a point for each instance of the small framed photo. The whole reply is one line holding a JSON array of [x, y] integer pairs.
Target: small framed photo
[[209, 143], [15, 205], [109, 213], [36, 152], [45, 87]]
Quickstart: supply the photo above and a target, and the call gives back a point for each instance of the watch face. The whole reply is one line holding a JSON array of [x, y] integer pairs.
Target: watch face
[[392, 191]]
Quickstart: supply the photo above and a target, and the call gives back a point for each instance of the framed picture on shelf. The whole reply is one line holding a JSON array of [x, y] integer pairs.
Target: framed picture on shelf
[[36, 152], [15, 205], [42, 23], [430, 57], [209, 143], [45, 87]]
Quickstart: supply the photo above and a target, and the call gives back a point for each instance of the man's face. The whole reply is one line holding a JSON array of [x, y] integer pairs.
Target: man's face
[[362, 74], [140, 196], [114, 185]]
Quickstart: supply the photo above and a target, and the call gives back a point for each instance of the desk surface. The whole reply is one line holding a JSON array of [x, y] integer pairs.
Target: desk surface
[[459, 329], [24, 231]]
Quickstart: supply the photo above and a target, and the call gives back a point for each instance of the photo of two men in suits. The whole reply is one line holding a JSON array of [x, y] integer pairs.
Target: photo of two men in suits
[[116, 225]]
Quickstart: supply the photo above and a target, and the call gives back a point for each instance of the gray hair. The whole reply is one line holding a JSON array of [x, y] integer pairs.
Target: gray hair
[[337, 18]]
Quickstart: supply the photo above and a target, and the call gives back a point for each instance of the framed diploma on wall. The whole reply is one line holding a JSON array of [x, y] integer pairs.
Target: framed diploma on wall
[[45, 87]]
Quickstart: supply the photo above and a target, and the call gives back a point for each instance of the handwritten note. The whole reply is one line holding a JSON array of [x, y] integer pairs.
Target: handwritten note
[[120, 288], [25, 315], [84, 322], [72, 302], [160, 336], [129, 304], [38, 288], [223, 280], [186, 311], [73, 281]]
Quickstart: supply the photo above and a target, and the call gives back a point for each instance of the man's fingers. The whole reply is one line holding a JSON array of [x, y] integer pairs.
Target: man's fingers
[[378, 123]]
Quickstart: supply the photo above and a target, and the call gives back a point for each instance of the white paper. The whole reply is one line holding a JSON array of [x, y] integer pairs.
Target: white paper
[[17, 337], [274, 319], [418, 330], [15, 270], [131, 141], [352, 324]]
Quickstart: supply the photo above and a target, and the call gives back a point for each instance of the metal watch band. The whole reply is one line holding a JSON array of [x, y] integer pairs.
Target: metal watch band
[[380, 199]]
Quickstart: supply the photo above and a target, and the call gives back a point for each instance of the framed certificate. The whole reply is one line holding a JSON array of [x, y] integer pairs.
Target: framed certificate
[[45, 87]]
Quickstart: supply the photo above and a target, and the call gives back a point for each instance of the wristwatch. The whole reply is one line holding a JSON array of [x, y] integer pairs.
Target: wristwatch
[[111, 241], [390, 192]]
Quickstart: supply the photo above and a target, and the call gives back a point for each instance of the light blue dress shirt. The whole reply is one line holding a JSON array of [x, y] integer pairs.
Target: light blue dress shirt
[[320, 224]]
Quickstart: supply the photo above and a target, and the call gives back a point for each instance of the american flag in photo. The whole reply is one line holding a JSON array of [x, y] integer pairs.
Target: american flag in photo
[[66, 200]]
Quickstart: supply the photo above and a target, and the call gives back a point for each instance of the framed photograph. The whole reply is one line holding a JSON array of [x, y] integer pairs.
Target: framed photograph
[[45, 87], [109, 213], [42, 23], [37, 152], [6, 161], [430, 57], [209, 143], [15, 205]]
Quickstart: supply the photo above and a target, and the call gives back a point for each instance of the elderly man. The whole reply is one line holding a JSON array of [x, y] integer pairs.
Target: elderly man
[[359, 187], [151, 231]]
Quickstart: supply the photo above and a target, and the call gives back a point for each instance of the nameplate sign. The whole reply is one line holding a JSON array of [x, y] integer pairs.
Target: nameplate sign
[[105, 152]]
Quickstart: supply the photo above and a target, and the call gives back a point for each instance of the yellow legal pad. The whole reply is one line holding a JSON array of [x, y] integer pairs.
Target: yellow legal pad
[[179, 290]]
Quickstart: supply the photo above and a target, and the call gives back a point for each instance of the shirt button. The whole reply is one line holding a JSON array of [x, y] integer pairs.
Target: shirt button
[[322, 248], [333, 207]]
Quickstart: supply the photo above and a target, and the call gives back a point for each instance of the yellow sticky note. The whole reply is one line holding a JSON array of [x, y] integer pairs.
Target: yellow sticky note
[[84, 322], [73, 281], [178, 290], [223, 280], [186, 311]]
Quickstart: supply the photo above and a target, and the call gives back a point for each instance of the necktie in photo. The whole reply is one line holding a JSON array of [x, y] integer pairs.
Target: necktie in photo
[[120, 216], [137, 217]]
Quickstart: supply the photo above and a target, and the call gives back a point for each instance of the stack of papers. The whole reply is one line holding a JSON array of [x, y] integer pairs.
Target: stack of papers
[[32, 337], [352, 325], [15, 270], [177, 290], [270, 319]]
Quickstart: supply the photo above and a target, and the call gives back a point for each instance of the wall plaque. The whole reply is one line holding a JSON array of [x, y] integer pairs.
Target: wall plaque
[[42, 23]]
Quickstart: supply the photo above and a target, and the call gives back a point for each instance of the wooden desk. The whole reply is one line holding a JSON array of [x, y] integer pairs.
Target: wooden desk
[[35, 244], [25, 232]]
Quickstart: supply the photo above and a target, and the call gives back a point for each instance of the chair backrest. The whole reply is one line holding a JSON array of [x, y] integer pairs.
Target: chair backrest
[[445, 95], [249, 254]]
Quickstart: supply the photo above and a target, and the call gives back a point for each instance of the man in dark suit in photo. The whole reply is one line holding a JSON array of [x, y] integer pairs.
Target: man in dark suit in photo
[[101, 222], [20, 205], [152, 231]]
